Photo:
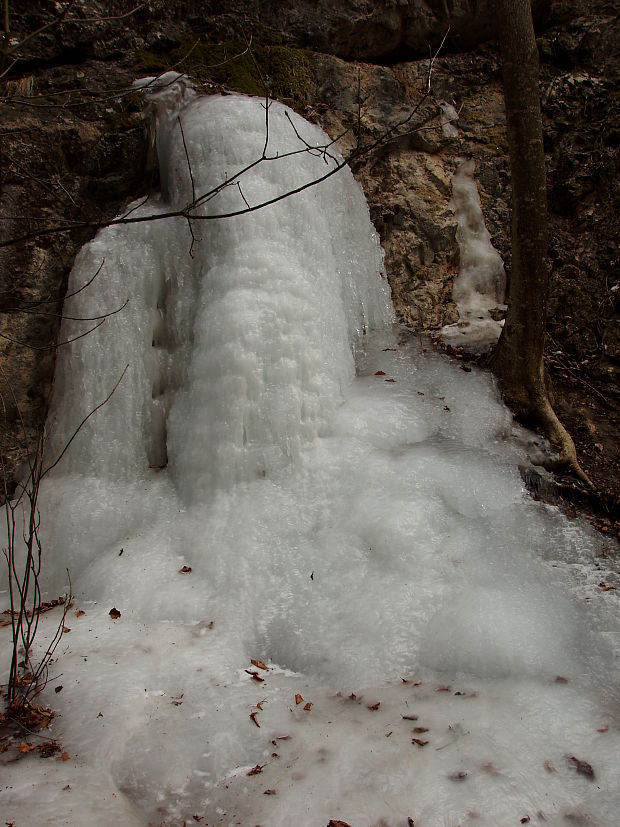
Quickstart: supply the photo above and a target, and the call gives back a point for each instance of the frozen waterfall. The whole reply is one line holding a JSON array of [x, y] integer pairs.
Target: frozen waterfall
[[283, 479]]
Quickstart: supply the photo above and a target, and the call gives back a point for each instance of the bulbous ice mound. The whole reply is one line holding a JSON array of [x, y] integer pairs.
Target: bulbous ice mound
[[242, 330]]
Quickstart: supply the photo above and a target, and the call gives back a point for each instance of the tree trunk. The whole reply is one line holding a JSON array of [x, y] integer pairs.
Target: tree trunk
[[518, 358]]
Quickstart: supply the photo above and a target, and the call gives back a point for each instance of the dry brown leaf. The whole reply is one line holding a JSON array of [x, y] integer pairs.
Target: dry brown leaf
[[253, 716], [374, 707], [115, 614], [49, 748], [255, 770], [418, 742], [335, 822], [409, 717], [185, 570], [582, 767], [79, 613], [380, 373], [269, 792], [391, 381], [259, 664], [308, 706], [24, 747], [65, 756], [420, 729], [298, 699]]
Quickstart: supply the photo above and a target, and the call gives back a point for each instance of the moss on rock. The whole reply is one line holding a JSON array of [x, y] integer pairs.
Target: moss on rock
[[284, 70]]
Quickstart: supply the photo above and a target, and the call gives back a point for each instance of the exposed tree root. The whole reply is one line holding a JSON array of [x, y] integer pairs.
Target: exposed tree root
[[562, 441], [530, 403]]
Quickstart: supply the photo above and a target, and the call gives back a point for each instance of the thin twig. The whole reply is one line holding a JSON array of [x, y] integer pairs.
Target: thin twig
[[83, 422]]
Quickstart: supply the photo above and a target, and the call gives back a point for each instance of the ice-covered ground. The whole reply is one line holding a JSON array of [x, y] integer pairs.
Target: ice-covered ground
[[350, 506]]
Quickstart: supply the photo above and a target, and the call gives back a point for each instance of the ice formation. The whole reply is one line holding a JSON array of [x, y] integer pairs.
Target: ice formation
[[479, 287], [350, 510], [449, 120]]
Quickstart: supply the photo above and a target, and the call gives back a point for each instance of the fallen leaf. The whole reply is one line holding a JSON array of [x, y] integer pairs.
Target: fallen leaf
[[65, 630], [374, 707], [298, 699], [254, 675], [49, 748], [197, 817], [606, 588], [25, 747], [335, 822], [387, 734], [58, 689], [410, 822], [65, 756], [79, 613], [419, 742], [445, 688], [177, 700], [420, 729], [255, 770], [4, 745], [259, 664], [380, 373], [603, 728], [391, 381], [525, 820], [185, 570], [582, 767], [254, 718], [115, 614], [409, 717], [269, 792], [308, 706], [460, 775]]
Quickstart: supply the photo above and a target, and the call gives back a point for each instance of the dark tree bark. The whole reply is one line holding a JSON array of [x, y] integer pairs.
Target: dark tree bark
[[518, 358]]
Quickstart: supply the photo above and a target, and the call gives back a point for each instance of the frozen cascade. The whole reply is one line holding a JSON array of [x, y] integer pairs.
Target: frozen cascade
[[369, 540], [481, 282]]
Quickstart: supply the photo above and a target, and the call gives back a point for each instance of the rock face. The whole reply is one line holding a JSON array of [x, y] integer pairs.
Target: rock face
[[74, 145]]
